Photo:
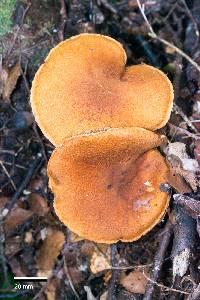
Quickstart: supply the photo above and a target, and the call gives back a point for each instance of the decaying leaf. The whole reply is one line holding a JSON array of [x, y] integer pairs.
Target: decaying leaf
[[76, 275], [89, 293], [189, 205], [177, 181], [182, 164], [183, 242], [50, 290], [181, 262], [74, 238], [12, 246], [18, 216], [38, 204], [49, 251], [134, 282], [104, 296], [197, 150], [100, 261], [8, 80]]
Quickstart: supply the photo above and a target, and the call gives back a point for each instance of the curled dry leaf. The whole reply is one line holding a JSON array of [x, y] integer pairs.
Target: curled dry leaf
[[189, 205], [177, 181], [100, 261], [49, 251], [74, 238], [8, 80], [17, 217], [182, 164], [104, 296], [38, 204], [134, 282], [89, 293], [50, 290], [197, 151]]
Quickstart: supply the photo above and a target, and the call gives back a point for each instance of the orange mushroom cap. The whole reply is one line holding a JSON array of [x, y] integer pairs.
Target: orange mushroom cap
[[106, 188], [84, 84]]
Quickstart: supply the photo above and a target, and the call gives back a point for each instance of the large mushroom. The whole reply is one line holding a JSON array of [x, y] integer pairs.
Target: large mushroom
[[84, 86], [105, 176], [106, 186]]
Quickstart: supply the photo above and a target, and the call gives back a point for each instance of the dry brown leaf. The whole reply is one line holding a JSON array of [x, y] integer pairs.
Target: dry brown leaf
[[49, 251], [182, 163], [38, 204], [74, 238], [87, 248], [76, 275], [12, 246], [17, 217], [178, 182], [89, 293], [99, 262], [104, 296], [197, 151], [50, 290], [134, 282], [9, 80]]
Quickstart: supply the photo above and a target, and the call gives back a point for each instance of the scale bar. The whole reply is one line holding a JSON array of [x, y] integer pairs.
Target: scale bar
[[31, 278]]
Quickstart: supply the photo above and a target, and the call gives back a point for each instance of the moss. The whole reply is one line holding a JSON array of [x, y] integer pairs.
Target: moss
[[6, 11]]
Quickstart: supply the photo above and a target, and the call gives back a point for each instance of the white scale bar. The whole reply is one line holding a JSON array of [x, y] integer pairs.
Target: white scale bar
[[30, 278]]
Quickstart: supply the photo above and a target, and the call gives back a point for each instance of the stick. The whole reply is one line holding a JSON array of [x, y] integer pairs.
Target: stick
[[115, 274], [153, 35], [158, 260], [37, 163]]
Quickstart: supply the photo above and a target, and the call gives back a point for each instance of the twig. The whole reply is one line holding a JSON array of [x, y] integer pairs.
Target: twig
[[153, 35], [179, 111], [115, 274], [196, 294], [194, 24], [164, 286], [182, 131], [63, 14], [37, 163], [18, 31], [2, 251], [69, 278], [158, 260], [8, 175]]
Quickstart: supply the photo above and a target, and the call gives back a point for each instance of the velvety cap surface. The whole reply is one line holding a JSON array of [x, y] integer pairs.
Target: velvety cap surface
[[84, 85], [106, 188]]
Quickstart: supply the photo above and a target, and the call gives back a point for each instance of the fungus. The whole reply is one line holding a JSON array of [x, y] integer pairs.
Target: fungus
[[107, 184], [84, 85]]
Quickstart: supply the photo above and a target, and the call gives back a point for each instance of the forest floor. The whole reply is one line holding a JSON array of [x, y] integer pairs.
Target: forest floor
[[165, 263]]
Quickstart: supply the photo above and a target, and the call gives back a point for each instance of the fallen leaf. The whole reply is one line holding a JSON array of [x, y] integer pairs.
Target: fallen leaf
[[181, 262], [99, 261], [49, 251], [76, 275], [28, 237], [190, 205], [182, 164], [38, 204], [197, 151], [89, 293], [9, 80], [50, 290], [74, 238], [18, 216], [12, 246], [134, 282], [87, 248], [104, 296], [177, 181]]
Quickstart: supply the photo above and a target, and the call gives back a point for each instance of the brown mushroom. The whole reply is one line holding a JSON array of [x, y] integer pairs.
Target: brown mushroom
[[106, 188], [84, 85]]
